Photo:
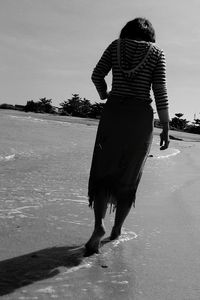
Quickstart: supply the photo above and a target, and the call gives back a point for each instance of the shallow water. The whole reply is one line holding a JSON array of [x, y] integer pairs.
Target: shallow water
[[43, 209], [44, 161]]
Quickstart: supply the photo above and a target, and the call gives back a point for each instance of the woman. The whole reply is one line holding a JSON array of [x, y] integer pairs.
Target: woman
[[125, 130]]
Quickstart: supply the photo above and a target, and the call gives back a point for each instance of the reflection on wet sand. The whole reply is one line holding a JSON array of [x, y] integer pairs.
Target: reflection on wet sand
[[45, 219]]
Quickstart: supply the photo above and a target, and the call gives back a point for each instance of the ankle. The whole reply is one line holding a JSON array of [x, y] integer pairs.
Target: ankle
[[98, 226], [117, 228], [115, 233]]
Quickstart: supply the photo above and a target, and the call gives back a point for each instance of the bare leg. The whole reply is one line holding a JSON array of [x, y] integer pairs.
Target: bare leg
[[100, 207], [122, 212]]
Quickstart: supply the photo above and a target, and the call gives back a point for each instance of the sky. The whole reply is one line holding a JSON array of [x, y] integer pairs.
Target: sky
[[48, 48]]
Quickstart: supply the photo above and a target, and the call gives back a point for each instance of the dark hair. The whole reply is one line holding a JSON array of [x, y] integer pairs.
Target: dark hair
[[139, 28]]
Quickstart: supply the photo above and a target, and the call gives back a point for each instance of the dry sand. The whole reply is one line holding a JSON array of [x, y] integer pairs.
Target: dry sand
[[157, 257]]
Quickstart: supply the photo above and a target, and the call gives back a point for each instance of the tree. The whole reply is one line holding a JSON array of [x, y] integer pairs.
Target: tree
[[6, 106], [76, 106], [85, 108], [195, 127], [79, 107], [196, 122], [45, 101], [178, 123], [96, 110], [72, 106], [31, 106], [179, 115], [44, 105]]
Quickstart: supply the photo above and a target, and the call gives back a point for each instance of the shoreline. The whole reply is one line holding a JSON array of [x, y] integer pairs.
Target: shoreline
[[175, 135]]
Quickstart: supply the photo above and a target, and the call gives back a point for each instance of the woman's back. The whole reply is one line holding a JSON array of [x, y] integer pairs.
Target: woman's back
[[136, 67]]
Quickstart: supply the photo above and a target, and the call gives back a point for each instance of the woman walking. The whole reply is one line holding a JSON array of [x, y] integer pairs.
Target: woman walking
[[125, 131]]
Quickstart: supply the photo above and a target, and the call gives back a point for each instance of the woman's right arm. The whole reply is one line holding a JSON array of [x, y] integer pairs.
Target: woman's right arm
[[102, 68]]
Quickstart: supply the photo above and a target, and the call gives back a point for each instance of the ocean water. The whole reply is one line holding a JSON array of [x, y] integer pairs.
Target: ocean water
[[44, 167]]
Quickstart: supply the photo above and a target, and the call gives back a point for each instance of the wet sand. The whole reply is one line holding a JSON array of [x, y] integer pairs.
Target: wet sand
[[157, 256]]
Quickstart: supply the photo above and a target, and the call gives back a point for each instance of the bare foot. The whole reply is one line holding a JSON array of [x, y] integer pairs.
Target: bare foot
[[92, 246], [115, 233]]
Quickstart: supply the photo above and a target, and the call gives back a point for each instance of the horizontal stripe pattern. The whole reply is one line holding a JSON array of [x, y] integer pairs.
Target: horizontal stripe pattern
[[151, 75]]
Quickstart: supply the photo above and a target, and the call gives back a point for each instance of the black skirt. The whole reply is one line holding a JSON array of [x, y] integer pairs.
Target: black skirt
[[123, 141]]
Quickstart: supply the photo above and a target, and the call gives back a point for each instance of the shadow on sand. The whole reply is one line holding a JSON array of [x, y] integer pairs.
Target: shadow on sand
[[43, 264], [27, 269]]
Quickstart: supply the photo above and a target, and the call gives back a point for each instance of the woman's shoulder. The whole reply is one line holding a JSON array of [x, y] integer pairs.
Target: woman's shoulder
[[113, 43], [154, 45], [157, 49]]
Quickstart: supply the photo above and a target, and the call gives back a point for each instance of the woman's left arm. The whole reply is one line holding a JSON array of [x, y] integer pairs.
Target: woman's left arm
[[160, 92], [102, 69], [159, 86]]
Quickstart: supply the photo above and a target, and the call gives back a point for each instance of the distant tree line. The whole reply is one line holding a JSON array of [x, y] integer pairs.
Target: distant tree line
[[181, 124], [75, 106], [44, 105], [78, 107]]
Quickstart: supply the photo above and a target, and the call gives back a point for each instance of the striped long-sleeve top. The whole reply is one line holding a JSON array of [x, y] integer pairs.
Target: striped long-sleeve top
[[137, 66]]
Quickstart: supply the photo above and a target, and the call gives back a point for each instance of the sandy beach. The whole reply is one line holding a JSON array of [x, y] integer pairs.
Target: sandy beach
[[45, 219]]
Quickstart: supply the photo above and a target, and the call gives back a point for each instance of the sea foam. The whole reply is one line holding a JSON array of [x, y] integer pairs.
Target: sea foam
[[156, 153], [7, 157]]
